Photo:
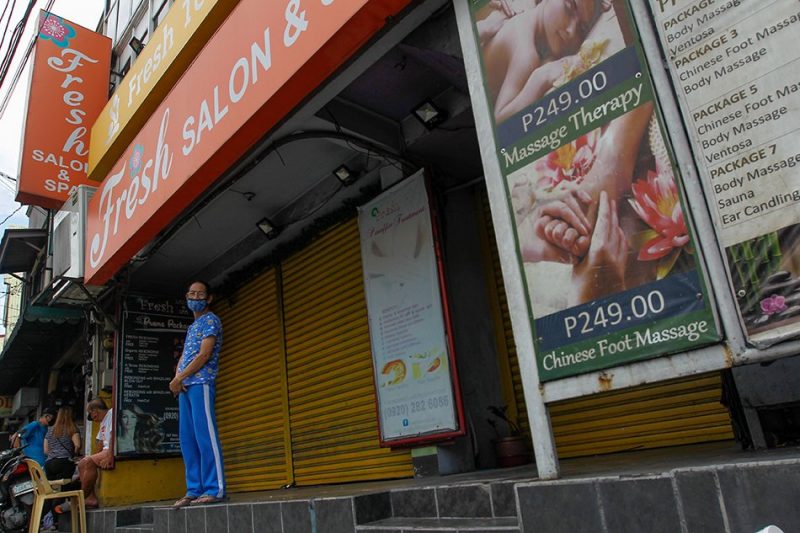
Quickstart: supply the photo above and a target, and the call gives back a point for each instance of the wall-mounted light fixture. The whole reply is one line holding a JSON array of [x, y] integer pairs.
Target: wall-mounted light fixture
[[429, 114], [345, 175], [136, 45], [268, 228]]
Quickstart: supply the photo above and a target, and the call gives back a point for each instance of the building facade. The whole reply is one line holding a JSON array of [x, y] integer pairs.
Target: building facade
[[239, 145]]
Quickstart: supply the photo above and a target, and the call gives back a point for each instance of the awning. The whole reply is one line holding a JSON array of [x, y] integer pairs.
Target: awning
[[40, 337], [19, 249]]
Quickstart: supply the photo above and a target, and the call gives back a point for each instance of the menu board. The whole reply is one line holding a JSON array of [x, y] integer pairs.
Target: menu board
[[153, 330], [411, 355], [735, 65], [606, 246]]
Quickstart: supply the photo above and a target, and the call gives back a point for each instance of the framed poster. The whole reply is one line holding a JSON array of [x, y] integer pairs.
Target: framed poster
[[151, 343], [608, 255], [413, 360], [734, 65]]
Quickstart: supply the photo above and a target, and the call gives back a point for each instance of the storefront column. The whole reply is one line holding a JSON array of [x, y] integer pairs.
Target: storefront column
[[543, 442]]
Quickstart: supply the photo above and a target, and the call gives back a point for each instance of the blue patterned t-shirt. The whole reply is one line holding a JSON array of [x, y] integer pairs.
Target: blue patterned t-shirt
[[208, 325]]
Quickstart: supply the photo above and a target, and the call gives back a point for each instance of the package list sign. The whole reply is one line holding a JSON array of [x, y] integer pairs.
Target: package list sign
[[153, 331], [211, 113], [406, 324], [68, 89], [735, 64], [604, 240]]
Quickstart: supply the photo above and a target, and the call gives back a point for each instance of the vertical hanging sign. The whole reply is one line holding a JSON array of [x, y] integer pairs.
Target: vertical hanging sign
[[607, 251], [412, 359], [734, 65], [68, 88]]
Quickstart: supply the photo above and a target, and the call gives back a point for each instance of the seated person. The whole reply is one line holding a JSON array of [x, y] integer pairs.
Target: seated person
[[61, 445], [89, 466]]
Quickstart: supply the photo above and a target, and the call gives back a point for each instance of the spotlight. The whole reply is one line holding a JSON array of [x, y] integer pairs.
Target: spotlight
[[136, 45], [268, 228], [345, 175], [429, 114]]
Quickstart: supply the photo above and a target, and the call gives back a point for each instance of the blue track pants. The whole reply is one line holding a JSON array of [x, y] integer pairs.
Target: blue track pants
[[202, 453]]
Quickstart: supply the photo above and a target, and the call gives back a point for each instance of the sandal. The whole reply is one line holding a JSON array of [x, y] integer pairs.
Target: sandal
[[207, 499], [183, 502]]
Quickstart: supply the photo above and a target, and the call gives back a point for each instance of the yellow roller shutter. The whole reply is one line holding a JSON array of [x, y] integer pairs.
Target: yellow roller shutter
[[671, 413], [251, 389], [334, 428]]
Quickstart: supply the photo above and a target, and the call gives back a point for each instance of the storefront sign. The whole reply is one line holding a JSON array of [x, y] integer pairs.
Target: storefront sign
[[68, 88], [176, 41], [734, 65], [412, 360], [605, 242], [6, 403], [262, 62], [151, 344]]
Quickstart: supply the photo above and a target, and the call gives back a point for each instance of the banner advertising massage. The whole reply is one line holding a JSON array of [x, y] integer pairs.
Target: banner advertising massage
[[606, 246], [735, 64], [412, 359], [68, 88]]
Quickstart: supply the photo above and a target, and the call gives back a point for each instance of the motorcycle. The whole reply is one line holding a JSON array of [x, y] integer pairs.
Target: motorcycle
[[16, 491]]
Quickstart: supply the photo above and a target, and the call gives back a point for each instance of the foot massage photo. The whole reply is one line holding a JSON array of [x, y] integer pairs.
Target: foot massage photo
[[600, 215]]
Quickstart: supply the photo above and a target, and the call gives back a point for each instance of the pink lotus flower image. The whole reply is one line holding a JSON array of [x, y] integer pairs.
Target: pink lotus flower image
[[570, 162], [773, 304], [55, 29], [656, 201]]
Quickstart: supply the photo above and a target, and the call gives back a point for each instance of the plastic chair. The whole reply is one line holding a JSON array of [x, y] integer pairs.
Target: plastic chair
[[45, 489]]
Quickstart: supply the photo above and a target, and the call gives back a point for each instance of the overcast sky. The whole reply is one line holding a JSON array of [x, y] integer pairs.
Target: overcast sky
[[82, 12]]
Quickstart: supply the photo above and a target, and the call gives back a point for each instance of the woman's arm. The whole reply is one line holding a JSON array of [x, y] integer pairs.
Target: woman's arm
[[76, 442], [46, 447], [612, 171], [525, 85]]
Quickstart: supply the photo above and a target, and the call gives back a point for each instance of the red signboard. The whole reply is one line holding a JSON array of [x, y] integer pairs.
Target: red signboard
[[68, 89], [261, 63]]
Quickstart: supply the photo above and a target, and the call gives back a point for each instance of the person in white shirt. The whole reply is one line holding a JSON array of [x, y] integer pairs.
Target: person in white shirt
[[89, 466]]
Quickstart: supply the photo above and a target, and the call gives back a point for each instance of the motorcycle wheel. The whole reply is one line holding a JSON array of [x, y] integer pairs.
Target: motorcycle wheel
[[26, 518]]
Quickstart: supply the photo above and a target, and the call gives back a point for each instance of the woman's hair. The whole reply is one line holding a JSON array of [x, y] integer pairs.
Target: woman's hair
[[121, 427], [148, 434], [203, 282], [65, 424]]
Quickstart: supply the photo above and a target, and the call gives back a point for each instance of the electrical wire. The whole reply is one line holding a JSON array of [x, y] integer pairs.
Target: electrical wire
[[13, 44], [11, 215], [10, 12], [22, 64]]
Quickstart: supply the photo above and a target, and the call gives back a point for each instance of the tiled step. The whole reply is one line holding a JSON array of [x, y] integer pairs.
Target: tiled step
[[458, 525], [483, 500], [135, 528]]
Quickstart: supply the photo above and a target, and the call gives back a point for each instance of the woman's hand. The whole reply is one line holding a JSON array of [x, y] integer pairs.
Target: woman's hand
[[176, 386], [565, 224], [602, 271], [500, 12], [557, 230]]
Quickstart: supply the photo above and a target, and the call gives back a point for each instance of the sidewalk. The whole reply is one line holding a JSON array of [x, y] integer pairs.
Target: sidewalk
[[709, 487]]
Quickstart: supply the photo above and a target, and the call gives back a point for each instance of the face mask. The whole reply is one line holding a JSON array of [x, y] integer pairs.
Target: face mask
[[196, 305], [52, 421]]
